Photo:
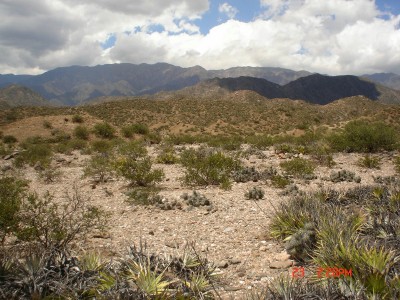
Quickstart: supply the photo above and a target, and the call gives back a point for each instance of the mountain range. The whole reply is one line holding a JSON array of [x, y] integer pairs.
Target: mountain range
[[77, 85]]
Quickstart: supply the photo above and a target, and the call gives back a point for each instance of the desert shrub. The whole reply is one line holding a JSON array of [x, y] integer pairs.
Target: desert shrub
[[9, 139], [245, 174], [323, 156], [68, 146], [35, 153], [361, 136], [58, 136], [299, 167], [279, 181], [167, 156], [397, 164], [144, 196], [77, 119], [47, 124], [50, 174], [81, 132], [138, 170], [104, 130], [208, 167], [344, 175], [43, 220], [99, 166], [101, 146], [256, 193], [196, 199], [182, 139], [369, 162], [152, 138], [138, 128], [228, 143], [11, 194], [260, 142]]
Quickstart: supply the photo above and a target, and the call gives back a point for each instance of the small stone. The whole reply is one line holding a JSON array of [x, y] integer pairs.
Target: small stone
[[234, 261], [228, 229], [93, 186], [7, 157], [38, 166], [223, 264], [281, 264], [263, 248], [171, 245], [241, 274], [283, 256], [151, 232], [6, 168]]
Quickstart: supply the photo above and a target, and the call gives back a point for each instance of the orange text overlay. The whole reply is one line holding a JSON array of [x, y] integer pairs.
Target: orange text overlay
[[320, 272]]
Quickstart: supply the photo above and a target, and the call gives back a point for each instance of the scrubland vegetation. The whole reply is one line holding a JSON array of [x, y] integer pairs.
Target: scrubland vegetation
[[356, 229]]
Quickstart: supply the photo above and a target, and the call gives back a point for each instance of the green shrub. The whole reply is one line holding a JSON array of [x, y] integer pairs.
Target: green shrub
[[99, 166], [35, 153], [77, 119], [47, 124], [101, 146], [69, 146], [50, 175], [369, 162], [256, 193], [208, 167], [81, 132], [9, 139], [58, 136], [44, 221], [130, 130], [11, 194], [144, 196], [299, 168], [279, 181], [228, 143], [361, 136], [397, 164], [138, 170], [104, 130], [167, 156], [300, 244], [261, 142]]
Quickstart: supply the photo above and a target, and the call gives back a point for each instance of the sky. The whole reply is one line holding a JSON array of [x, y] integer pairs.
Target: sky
[[326, 36]]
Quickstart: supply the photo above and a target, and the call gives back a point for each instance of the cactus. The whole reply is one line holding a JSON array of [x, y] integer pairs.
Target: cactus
[[299, 244], [344, 175], [246, 174], [255, 193], [196, 199]]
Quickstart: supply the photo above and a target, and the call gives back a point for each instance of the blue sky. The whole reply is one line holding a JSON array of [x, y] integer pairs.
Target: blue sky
[[325, 36]]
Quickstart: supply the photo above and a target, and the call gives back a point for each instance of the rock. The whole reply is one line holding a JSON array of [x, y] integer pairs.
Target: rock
[[263, 248], [234, 261], [6, 168], [151, 232], [59, 159], [228, 229], [7, 157], [38, 166], [171, 245], [223, 264], [281, 264], [283, 256]]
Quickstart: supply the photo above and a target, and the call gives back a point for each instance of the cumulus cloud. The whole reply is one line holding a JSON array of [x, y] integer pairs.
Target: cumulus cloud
[[333, 37], [227, 9]]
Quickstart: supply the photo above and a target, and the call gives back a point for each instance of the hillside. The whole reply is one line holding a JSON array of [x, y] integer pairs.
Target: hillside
[[16, 95]]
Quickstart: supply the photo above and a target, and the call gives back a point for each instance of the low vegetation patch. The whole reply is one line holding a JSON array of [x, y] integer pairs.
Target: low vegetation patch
[[208, 167], [104, 130], [299, 168]]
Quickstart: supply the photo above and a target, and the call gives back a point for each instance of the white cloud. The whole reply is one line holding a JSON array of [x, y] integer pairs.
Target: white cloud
[[334, 37], [227, 9]]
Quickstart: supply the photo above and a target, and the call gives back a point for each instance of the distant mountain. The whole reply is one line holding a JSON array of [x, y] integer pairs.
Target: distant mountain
[[9, 79], [387, 79], [275, 75], [15, 95], [316, 88], [76, 84]]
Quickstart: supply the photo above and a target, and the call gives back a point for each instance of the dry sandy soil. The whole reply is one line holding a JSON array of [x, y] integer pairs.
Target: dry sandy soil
[[233, 234]]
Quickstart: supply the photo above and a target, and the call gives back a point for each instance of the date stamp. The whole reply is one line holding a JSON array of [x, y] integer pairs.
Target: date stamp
[[320, 272]]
